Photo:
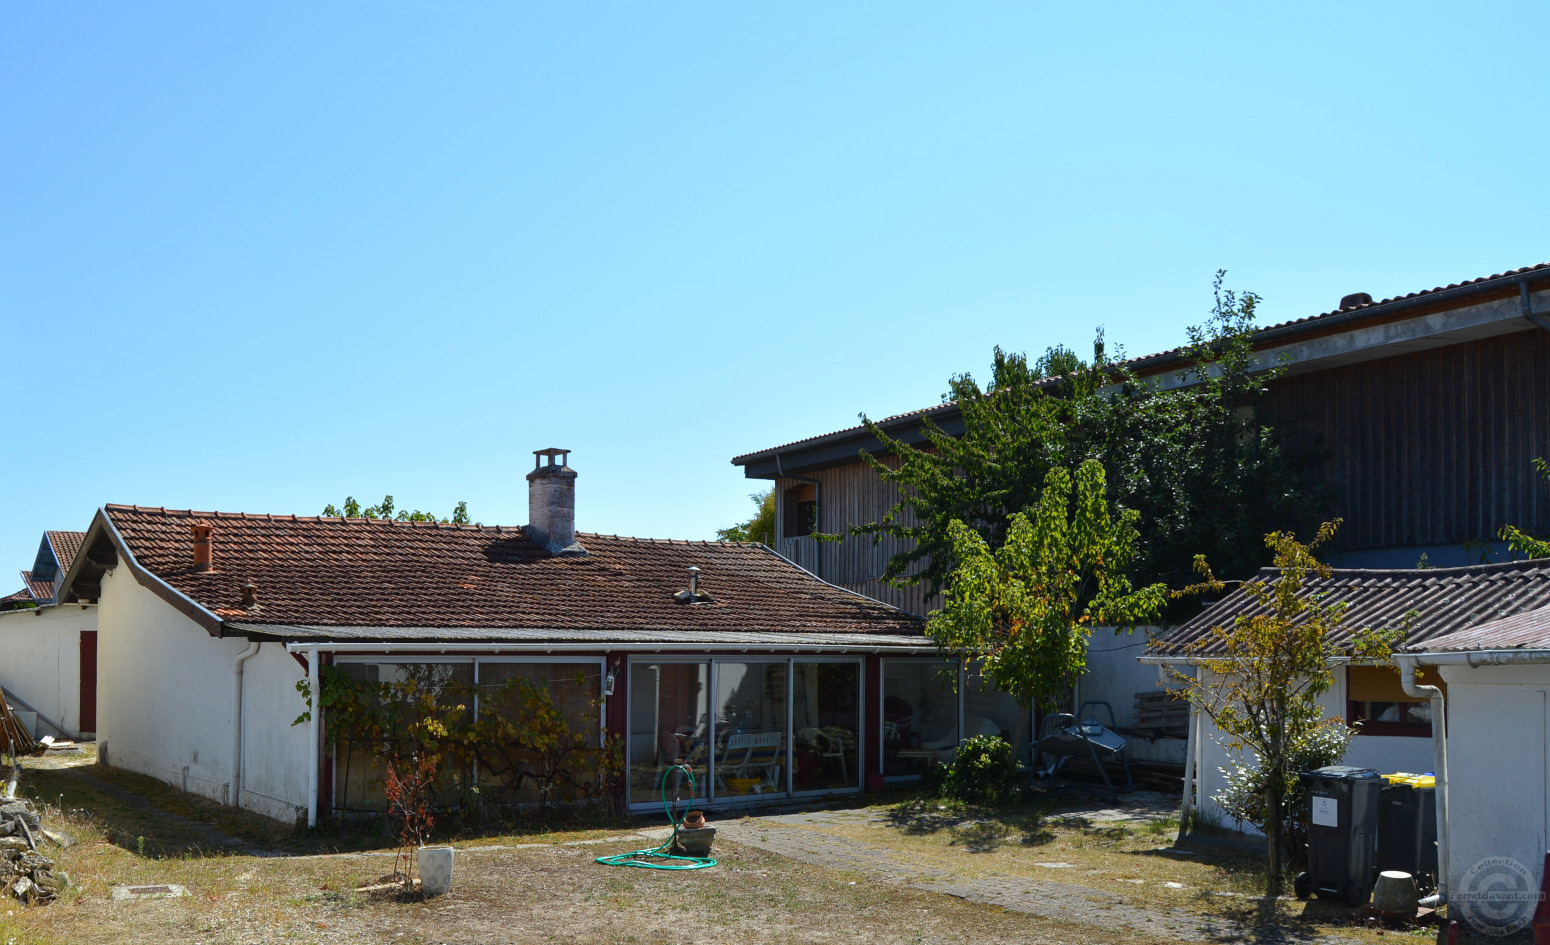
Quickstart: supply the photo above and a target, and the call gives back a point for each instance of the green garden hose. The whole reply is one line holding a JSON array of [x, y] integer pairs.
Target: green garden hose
[[655, 859]]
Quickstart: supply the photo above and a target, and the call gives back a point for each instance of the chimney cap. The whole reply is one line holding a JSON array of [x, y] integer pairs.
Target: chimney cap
[[551, 452]]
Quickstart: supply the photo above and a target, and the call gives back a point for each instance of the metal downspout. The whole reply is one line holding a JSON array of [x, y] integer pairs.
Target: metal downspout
[[313, 735], [236, 722], [1541, 319], [1407, 681], [817, 518]]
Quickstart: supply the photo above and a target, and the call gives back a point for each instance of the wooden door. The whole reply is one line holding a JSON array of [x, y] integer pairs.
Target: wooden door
[[88, 681]]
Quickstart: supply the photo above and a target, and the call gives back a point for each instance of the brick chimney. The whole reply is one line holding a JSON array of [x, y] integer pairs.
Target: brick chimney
[[551, 503]]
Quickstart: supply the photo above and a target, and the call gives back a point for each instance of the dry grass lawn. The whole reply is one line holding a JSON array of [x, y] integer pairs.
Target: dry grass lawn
[[529, 887]]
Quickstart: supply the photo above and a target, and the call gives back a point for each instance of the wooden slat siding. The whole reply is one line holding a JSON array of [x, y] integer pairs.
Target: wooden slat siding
[[851, 495], [1429, 448]]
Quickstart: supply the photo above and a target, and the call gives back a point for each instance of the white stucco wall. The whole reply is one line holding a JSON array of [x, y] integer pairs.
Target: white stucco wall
[[164, 703], [1387, 754], [40, 662], [1499, 799], [1113, 673]]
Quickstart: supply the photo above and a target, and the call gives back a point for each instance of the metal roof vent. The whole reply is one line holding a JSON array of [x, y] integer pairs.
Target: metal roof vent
[[693, 595], [1355, 299]]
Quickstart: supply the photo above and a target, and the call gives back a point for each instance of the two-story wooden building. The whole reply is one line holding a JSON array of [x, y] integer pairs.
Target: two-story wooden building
[[1421, 414]]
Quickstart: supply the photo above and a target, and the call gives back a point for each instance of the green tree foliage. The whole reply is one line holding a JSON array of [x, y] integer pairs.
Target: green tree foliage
[[1259, 679], [522, 739], [384, 510], [1025, 610], [760, 528], [1204, 475], [1527, 545], [984, 769]]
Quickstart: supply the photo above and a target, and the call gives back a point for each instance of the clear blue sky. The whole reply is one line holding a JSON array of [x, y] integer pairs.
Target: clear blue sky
[[256, 257]]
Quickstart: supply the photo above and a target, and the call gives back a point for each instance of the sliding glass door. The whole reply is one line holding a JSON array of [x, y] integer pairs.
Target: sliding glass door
[[750, 728], [751, 749]]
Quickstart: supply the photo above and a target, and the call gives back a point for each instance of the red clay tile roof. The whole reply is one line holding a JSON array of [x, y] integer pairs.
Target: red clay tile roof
[[1431, 601], [40, 590], [1161, 358], [1529, 630], [66, 546], [20, 597], [335, 572]]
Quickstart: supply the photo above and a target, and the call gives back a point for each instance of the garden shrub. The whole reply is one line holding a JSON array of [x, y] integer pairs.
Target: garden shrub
[[985, 770], [1243, 797]]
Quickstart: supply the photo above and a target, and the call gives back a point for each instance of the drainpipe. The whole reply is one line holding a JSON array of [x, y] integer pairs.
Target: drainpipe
[[1407, 667], [1542, 319], [313, 735], [236, 721], [818, 500]]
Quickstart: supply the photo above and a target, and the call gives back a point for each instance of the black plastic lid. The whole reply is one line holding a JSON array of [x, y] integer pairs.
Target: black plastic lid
[[1342, 773]]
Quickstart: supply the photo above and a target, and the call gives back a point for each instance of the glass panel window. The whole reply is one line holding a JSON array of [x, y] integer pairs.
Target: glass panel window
[[988, 711], [522, 693], [1378, 705], [825, 712], [750, 728], [920, 715], [360, 766], [669, 725]]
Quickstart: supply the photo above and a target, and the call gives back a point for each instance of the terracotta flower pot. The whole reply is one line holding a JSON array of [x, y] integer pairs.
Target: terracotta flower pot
[[693, 820]]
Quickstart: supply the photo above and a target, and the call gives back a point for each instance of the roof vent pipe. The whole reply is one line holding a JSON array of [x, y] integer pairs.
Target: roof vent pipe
[[694, 581], [249, 594], [551, 503], [204, 548]]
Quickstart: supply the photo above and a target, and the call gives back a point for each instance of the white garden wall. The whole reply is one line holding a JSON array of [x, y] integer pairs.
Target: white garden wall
[[1113, 673], [165, 697], [40, 663]]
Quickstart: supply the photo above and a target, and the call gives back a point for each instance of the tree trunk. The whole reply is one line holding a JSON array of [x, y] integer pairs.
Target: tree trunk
[[1273, 840]]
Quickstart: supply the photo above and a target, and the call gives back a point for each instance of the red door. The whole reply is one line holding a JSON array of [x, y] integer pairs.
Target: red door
[[88, 681]]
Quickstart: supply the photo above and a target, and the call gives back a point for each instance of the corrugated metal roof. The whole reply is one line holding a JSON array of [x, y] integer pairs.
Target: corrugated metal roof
[[1529, 630], [1431, 602]]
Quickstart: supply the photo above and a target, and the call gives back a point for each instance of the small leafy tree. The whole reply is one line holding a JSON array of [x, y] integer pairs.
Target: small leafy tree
[[408, 797], [1025, 610], [384, 510], [1524, 544], [760, 528], [1205, 475], [1259, 679]]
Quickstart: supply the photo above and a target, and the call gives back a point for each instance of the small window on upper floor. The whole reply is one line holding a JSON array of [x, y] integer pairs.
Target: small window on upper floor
[[800, 511]]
